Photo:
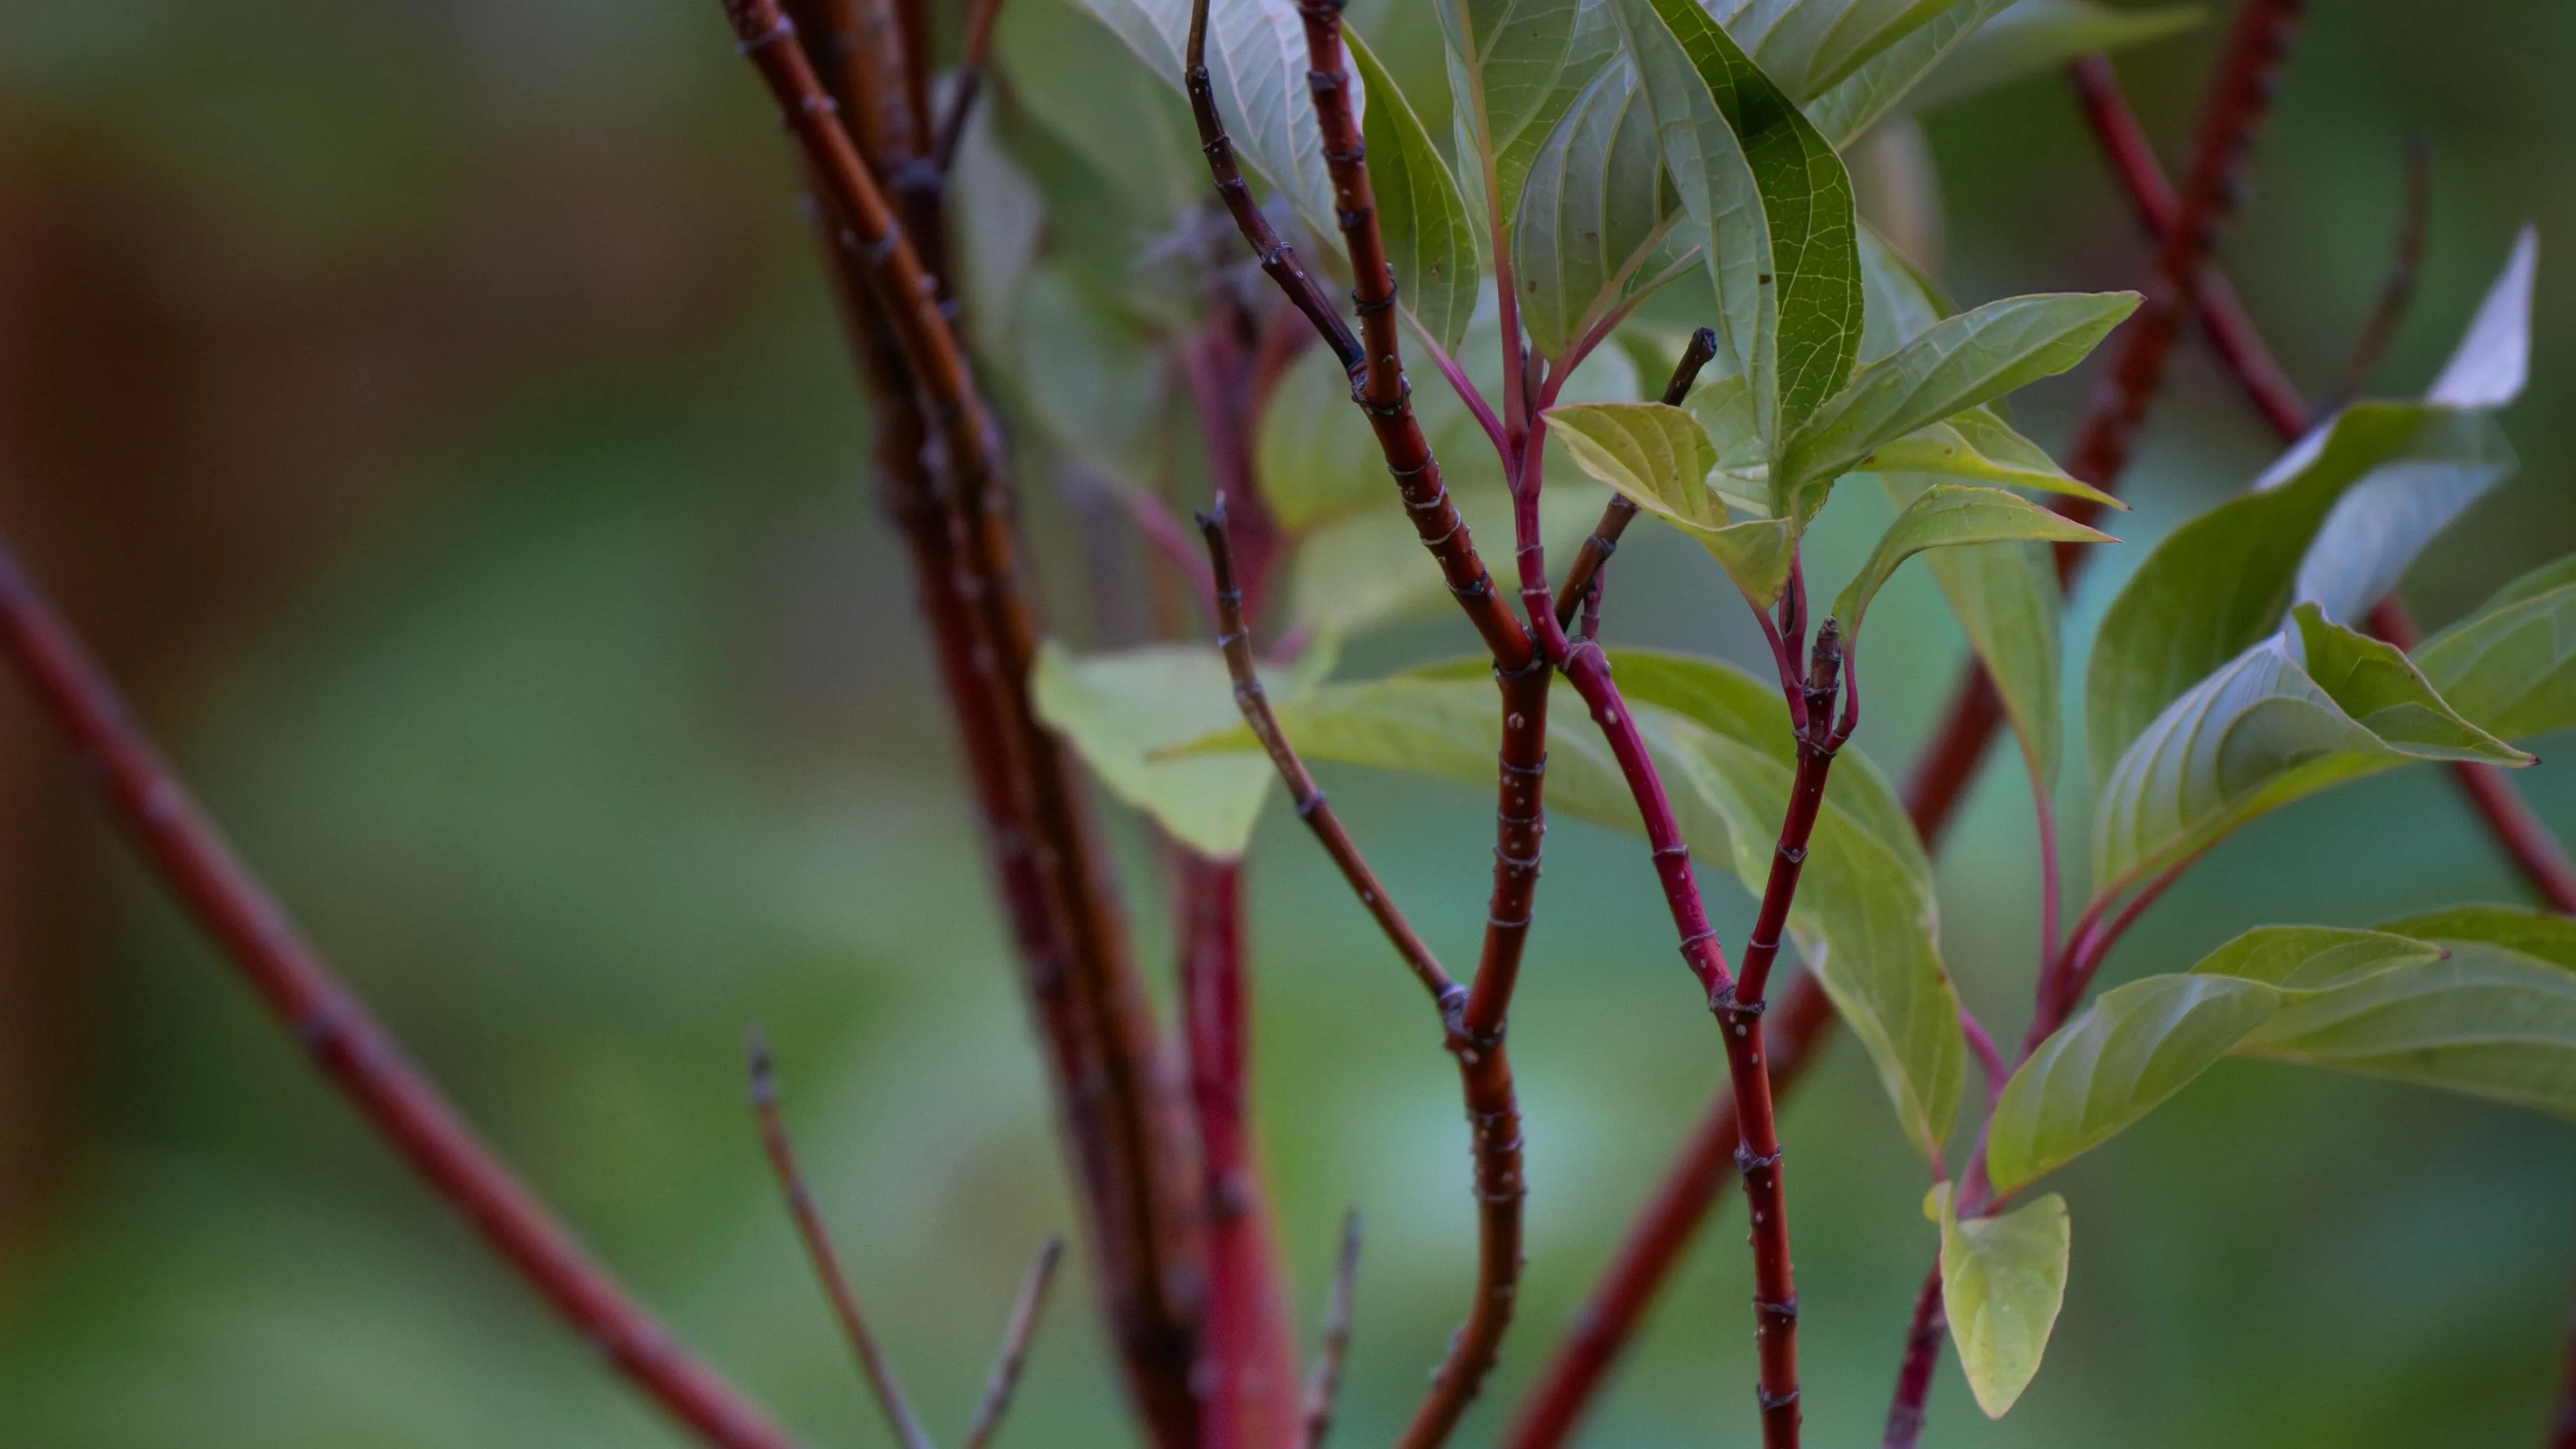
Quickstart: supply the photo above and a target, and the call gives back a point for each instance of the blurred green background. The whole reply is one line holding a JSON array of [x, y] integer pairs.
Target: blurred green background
[[434, 414]]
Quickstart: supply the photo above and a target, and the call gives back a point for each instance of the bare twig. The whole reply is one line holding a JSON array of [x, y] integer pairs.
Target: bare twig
[[199, 867], [1013, 1356], [966, 83], [2405, 266], [1914, 1377], [1616, 515], [1323, 1387], [818, 1247]]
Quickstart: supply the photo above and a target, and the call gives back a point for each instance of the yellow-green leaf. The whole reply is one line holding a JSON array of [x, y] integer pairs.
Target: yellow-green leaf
[[2003, 1280]]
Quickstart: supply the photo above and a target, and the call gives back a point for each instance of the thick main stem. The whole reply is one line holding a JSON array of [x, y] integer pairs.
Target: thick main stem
[[1121, 1120], [198, 866]]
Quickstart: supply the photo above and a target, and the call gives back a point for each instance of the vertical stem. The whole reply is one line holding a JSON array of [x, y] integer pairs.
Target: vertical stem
[[1121, 1122], [197, 865]]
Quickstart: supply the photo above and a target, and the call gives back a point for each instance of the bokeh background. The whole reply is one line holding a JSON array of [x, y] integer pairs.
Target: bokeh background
[[434, 415]]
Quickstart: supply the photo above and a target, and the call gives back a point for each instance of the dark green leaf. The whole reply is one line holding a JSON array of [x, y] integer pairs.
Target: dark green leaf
[[2510, 667], [1951, 515]]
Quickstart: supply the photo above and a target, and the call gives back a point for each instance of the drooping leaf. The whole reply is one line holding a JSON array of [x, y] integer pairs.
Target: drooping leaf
[[1809, 46], [2510, 667], [2030, 37], [1658, 457], [1770, 198], [2487, 1020], [1958, 363], [2223, 581], [1429, 233], [1847, 110], [1514, 68], [1979, 447], [1120, 711], [2310, 707], [1594, 208], [1952, 515], [2003, 1280], [2141, 1043], [1256, 60], [1720, 741]]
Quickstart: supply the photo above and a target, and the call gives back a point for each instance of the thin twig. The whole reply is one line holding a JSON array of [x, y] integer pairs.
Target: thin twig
[[1323, 1386], [818, 1247], [1914, 1375], [1235, 640], [2397, 290], [197, 865], [965, 84], [1013, 1356], [1616, 516]]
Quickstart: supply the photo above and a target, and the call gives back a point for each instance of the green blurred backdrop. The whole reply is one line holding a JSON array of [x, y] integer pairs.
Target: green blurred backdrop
[[434, 415]]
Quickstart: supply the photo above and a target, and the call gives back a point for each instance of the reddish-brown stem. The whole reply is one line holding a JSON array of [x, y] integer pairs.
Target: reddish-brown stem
[[966, 83], [1324, 1386], [1013, 1355], [817, 1238], [1246, 1374], [1121, 1124], [2397, 289], [198, 866], [1923, 1337], [1235, 640], [2222, 317], [2520, 833], [2239, 96], [1619, 512]]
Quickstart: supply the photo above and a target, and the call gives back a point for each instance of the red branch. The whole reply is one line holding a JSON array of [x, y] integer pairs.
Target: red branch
[[198, 866], [1122, 1125]]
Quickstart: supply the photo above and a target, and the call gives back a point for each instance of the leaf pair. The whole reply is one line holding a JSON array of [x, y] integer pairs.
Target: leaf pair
[[2204, 711]]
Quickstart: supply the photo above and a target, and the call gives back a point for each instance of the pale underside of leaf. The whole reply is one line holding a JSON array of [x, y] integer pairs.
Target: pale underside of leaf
[[1952, 515], [1429, 234], [1594, 207], [2003, 1280], [2033, 37], [1843, 113]]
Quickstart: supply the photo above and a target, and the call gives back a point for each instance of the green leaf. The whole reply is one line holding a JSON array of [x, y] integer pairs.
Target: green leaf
[[1809, 46], [2541, 934], [1950, 515], [1122, 711], [2119, 1060], [1594, 209], [1956, 364], [1770, 197], [2310, 707], [1659, 457], [2007, 601], [2301, 961], [2224, 581], [2487, 1020], [2510, 667], [2034, 36], [2003, 1280], [2141, 1043], [1980, 447], [1256, 60], [1430, 235], [1515, 66], [1847, 110], [1720, 741], [1903, 303]]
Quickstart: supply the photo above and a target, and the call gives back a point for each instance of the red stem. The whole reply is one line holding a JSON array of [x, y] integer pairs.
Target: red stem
[[1914, 1374], [198, 866], [1124, 1127]]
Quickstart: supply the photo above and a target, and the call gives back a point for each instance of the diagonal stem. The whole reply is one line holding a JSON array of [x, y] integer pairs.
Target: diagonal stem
[[198, 866], [1324, 1386], [1013, 1355], [826, 1259]]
